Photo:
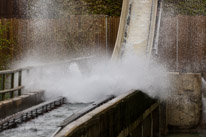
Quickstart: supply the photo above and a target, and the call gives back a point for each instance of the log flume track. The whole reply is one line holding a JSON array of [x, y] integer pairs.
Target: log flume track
[[136, 35]]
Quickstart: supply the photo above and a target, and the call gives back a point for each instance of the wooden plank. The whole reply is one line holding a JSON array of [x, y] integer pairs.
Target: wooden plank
[[185, 48], [167, 42], [11, 90], [19, 82], [21, 32], [12, 85]]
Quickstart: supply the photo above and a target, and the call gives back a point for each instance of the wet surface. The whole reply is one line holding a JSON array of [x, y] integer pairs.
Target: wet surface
[[186, 135], [45, 125]]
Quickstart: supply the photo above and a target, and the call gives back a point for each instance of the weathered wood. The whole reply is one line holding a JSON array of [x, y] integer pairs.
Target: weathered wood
[[116, 118], [11, 90], [20, 31], [183, 37], [10, 71], [19, 82], [12, 85]]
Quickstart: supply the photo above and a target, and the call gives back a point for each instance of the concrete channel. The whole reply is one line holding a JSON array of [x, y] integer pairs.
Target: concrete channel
[[44, 125], [30, 113], [20, 103]]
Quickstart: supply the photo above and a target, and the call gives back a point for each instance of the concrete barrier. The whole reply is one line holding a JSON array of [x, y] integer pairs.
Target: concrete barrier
[[132, 114], [183, 110], [14, 105]]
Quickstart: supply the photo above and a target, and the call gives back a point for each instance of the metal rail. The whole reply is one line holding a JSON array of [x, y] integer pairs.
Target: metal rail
[[30, 113], [82, 112]]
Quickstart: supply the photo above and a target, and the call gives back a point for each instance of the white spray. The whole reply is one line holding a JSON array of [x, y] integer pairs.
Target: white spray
[[103, 78]]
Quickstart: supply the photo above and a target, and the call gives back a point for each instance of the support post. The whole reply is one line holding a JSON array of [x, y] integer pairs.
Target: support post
[[19, 82], [3, 85], [12, 85], [151, 118]]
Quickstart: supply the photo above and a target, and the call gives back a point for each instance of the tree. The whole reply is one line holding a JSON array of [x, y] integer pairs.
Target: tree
[[188, 7], [4, 46], [106, 7]]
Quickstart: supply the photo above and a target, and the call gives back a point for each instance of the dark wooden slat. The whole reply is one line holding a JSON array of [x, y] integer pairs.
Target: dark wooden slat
[[19, 82], [12, 85], [11, 90]]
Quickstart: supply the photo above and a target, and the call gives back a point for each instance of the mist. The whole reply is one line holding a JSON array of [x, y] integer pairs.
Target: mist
[[77, 82], [101, 78]]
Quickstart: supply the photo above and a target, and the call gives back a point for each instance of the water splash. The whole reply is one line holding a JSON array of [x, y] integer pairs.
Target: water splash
[[103, 78]]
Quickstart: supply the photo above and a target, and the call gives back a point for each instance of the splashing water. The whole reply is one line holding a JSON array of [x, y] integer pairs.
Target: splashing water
[[103, 78]]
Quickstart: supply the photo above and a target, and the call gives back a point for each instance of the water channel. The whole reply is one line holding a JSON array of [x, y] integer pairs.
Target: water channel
[[45, 125]]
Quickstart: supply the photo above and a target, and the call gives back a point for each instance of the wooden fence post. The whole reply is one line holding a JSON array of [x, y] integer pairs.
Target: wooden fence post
[[19, 82], [12, 85]]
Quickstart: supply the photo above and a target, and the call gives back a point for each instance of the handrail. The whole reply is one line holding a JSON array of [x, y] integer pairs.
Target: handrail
[[58, 63], [12, 89], [13, 71]]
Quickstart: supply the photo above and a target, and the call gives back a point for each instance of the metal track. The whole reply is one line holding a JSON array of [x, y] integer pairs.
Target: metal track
[[82, 112], [30, 113]]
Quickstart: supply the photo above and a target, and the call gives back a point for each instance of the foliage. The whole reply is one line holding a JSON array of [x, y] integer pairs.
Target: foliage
[[3, 41], [72, 7], [188, 7], [106, 7], [63, 8], [83, 7], [4, 46]]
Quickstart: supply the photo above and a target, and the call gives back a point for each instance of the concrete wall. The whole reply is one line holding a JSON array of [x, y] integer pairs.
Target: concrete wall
[[128, 115], [183, 110], [12, 106]]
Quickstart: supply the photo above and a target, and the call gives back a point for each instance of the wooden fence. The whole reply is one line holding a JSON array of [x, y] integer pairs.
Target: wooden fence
[[73, 34], [6, 8], [13, 8], [182, 43]]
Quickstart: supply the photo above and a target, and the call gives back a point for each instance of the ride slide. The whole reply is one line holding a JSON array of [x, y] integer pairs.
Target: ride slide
[[136, 29]]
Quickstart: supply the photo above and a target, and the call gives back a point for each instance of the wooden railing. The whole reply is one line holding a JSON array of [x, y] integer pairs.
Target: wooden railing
[[9, 91]]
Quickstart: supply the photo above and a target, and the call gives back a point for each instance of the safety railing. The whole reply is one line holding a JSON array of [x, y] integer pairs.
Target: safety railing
[[8, 80]]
